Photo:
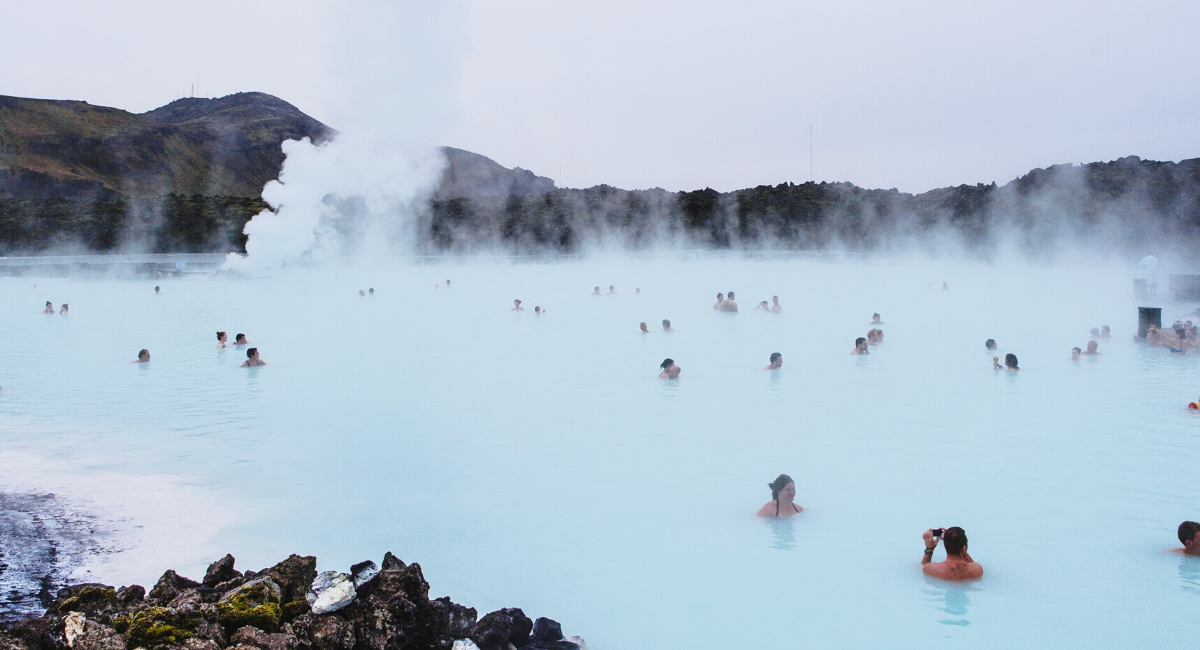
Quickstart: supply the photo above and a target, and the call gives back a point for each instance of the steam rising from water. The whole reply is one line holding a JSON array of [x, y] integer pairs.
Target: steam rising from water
[[394, 71]]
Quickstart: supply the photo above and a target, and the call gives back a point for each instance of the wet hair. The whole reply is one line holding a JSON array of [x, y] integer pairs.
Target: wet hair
[[219, 335], [875, 315], [955, 540], [1076, 350], [666, 323], [775, 298], [239, 337], [1010, 360], [642, 326], [1095, 331], [371, 290], [1187, 531], [156, 288], [667, 363], [611, 287], [778, 484], [730, 294], [720, 296], [990, 344], [774, 356], [859, 341], [1106, 329], [143, 353], [251, 352], [537, 308], [596, 289], [49, 304]]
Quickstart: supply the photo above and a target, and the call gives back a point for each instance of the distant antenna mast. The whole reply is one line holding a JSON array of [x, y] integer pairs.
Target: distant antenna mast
[[810, 168]]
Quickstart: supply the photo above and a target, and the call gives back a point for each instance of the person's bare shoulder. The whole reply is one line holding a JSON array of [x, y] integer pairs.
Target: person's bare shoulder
[[767, 510]]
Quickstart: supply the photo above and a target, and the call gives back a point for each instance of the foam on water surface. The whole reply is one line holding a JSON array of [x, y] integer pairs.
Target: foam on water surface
[[537, 461]]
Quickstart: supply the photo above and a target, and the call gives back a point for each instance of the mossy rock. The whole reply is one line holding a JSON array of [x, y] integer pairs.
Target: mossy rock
[[255, 603], [87, 596], [155, 626], [294, 609]]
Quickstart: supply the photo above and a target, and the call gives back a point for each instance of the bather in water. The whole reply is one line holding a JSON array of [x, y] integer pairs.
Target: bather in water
[[221, 338], [517, 306], [537, 310], [1189, 536], [875, 320], [729, 304], [1105, 332], [1091, 349], [49, 308], [958, 564], [720, 299], [1010, 363], [596, 291], [240, 339], [1075, 352], [645, 330], [762, 306], [669, 369], [63, 310], [612, 290], [776, 361], [667, 326], [252, 359], [783, 495], [860, 346], [776, 308], [990, 344], [143, 356]]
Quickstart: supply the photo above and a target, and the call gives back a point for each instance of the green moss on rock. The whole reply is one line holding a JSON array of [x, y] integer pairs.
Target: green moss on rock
[[160, 626], [255, 604], [87, 596], [294, 609]]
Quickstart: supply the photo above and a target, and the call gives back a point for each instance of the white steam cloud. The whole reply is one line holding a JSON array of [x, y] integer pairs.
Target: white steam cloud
[[394, 69]]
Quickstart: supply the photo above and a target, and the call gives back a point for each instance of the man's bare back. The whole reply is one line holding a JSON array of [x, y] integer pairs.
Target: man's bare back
[[957, 565]]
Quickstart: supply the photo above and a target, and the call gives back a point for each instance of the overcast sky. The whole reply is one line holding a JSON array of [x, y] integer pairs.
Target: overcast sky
[[679, 94]]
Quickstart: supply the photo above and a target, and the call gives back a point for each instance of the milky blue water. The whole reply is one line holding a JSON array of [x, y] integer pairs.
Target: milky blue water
[[538, 461]]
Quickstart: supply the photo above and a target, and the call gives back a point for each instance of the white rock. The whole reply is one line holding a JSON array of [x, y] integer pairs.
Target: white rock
[[330, 592], [74, 625], [464, 644]]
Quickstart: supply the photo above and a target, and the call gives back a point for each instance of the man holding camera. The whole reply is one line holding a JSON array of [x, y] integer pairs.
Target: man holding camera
[[958, 564]]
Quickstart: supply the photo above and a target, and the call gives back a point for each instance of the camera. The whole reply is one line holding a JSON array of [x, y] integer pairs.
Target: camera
[[937, 532]]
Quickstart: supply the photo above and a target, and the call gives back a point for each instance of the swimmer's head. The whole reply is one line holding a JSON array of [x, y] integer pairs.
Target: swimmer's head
[[955, 540], [644, 328], [720, 297], [775, 356], [637, 292], [1095, 332], [1075, 352], [155, 288], [875, 317], [516, 301], [990, 344], [597, 290], [537, 309], [1010, 360], [1187, 532], [859, 341], [371, 291], [221, 336], [1105, 331], [779, 484], [1092, 346], [48, 304], [143, 355], [667, 363], [666, 324], [240, 338], [361, 292], [251, 353], [612, 287], [776, 299], [731, 295]]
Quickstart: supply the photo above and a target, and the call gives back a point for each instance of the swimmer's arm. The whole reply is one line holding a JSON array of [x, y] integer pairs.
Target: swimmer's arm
[[766, 511], [930, 544]]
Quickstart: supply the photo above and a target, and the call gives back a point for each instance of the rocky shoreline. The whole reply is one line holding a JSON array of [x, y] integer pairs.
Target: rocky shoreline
[[288, 606]]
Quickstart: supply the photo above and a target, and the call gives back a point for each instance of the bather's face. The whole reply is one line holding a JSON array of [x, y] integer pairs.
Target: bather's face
[[788, 493]]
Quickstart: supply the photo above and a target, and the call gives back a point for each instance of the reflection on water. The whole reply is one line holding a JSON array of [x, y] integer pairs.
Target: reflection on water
[[949, 598], [784, 531], [1189, 574]]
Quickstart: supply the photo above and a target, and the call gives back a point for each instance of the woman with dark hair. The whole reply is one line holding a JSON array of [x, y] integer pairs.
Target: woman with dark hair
[[776, 361], [64, 309], [782, 503], [240, 339], [49, 308], [252, 359], [669, 369], [221, 338], [1010, 363]]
